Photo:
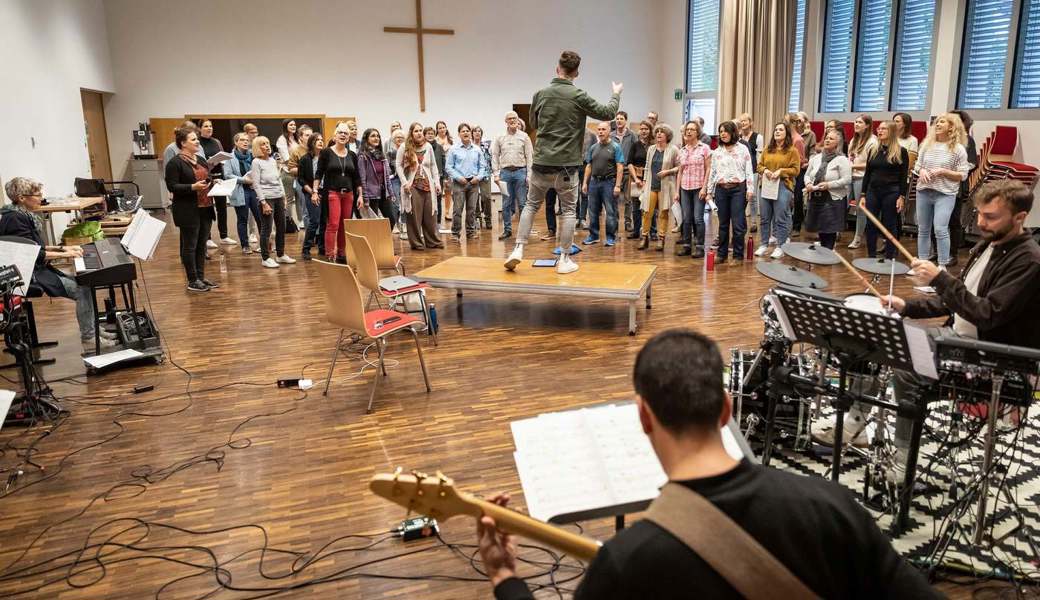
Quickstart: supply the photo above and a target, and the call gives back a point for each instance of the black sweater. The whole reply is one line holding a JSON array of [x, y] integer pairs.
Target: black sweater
[[814, 527], [336, 172], [305, 171], [1004, 310], [210, 147], [881, 173]]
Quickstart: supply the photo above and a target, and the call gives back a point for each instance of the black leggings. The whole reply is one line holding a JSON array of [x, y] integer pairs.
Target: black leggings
[[386, 208], [220, 203], [193, 246], [827, 239], [275, 219]]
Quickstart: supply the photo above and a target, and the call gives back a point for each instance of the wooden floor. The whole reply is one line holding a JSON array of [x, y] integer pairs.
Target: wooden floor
[[133, 483]]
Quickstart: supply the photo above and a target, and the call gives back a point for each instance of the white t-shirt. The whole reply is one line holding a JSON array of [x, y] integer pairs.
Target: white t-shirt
[[962, 326]]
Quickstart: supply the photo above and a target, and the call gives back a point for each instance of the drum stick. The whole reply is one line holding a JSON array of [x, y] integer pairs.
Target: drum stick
[[856, 272], [909, 257]]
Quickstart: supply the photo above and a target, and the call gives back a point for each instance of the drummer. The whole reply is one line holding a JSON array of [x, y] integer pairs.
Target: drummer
[[995, 297]]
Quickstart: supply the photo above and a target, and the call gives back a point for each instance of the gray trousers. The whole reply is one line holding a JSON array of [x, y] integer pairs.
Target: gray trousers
[[84, 307], [565, 182], [463, 196]]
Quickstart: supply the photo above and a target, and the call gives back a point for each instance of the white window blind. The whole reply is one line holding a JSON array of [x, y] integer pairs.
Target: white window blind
[[703, 61], [913, 55], [837, 55], [872, 57], [794, 104], [1026, 80], [984, 60]]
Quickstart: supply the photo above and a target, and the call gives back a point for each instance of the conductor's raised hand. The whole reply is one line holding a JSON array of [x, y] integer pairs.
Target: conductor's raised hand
[[617, 87], [925, 272], [497, 548]]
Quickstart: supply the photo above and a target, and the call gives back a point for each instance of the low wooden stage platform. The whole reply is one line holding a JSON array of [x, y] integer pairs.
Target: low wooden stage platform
[[610, 281]]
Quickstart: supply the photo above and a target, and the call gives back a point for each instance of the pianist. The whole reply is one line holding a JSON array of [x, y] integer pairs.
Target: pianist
[[19, 220]]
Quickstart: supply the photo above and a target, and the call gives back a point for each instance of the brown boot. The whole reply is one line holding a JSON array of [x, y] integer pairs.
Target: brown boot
[[660, 243], [644, 243]]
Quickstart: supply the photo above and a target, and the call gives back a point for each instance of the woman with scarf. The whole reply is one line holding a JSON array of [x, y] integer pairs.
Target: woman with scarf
[[420, 182], [827, 178], [188, 179], [243, 199], [376, 189]]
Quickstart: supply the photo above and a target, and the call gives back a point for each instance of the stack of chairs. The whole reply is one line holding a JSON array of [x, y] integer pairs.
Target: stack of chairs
[[995, 160]]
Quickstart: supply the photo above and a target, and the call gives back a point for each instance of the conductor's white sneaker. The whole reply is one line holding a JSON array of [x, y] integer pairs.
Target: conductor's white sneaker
[[515, 258], [762, 250], [565, 265]]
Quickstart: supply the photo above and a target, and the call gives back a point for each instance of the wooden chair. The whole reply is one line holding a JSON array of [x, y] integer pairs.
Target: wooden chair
[[368, 276], [379, 236], [346, 309]]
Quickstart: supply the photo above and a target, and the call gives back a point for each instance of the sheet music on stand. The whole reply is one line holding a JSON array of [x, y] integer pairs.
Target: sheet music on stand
[[591, 462], [142, 235], [22, 256]]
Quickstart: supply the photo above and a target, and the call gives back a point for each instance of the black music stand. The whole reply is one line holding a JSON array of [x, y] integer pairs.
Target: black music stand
[[853, 337]]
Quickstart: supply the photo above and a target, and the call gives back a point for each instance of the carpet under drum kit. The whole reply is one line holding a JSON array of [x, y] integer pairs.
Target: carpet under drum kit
[[968, 498]]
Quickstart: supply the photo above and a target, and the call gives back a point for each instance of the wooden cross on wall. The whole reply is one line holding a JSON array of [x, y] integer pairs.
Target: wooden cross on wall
[[419, 32]]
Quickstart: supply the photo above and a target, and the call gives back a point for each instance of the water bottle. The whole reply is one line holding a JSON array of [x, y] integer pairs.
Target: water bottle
[[749, 248], [223, 262], [710, 262], [432, 329]]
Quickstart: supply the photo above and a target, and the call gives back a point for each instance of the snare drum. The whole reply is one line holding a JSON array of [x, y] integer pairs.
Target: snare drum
[[867, 303]]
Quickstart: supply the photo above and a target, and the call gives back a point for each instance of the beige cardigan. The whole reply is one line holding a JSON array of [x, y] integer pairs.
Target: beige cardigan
[[668, 182], [428, 164]]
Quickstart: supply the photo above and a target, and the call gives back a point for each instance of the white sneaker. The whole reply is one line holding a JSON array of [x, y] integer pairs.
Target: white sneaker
[[228, 241], [772, 240], [515, 258], [854, 243], [566, 265], [253, 239], [211, 244], [854, 431], [778, 252], [269, 263], [88, 345], [762, 250], [286, 259]]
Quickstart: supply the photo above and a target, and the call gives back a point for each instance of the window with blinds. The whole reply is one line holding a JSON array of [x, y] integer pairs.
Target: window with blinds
[[837, 55], [913, 59], [1026, 81], [987, 29], [794, 104], [703, 42], [872, 56]]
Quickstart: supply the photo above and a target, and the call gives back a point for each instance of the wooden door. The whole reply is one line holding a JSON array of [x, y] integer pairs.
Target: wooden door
[[330, 127], [162, 132], [97, 135], [524, 112]]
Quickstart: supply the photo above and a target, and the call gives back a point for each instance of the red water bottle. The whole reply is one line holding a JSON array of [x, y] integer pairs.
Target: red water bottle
[[749, 248], [710, 262]]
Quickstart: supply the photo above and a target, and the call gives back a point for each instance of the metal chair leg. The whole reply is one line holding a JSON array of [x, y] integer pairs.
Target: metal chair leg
[[422, 361], [382, 362], [335, 355], [375, 380]]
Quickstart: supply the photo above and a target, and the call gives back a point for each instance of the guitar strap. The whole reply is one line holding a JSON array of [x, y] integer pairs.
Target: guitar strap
[[724, 545]]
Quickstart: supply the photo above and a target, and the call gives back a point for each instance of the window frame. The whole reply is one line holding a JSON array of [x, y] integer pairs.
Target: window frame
[[805, 47], [1005, 112], [896, 6], [849, 114], [854, 45], [687, 94]]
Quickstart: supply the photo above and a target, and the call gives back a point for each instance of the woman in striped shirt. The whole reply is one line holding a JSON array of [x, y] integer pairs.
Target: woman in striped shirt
[[694, 162], [941, 166]]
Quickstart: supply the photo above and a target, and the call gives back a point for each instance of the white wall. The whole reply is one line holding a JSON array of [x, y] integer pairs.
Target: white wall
[[501, 54], [52, 49], [672, 51]]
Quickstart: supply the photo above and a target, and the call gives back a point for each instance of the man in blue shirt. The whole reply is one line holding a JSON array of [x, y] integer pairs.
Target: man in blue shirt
[[466, 167], [604, 164]]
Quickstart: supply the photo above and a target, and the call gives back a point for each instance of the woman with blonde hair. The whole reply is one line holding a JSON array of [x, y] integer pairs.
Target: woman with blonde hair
[[885, 185], [337, 173], [266, 178], [942, 164], [420, 182], [662, 163], [862, 144]]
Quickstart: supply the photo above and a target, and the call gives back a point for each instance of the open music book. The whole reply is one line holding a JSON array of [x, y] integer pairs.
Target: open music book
[[142, 236], [589, 458]]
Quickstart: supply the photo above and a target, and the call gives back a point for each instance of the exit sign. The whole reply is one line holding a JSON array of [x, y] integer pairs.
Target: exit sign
[[678, 94]]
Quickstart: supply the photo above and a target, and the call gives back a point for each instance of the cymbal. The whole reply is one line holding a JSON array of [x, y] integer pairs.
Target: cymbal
[[810, 253], [790, 275], [880, 266]]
